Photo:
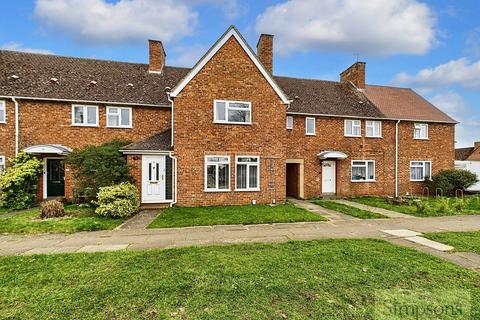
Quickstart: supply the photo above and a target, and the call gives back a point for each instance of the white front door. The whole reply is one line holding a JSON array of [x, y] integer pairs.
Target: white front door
[[328, 177], [153, 179]]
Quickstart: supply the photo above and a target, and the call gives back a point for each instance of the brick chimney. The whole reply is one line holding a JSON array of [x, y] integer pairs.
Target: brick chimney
[[476, 144], [265, 51], [156, 56], [355, 74]]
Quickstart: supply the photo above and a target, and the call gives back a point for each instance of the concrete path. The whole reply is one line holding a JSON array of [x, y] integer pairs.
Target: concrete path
[[327, 213], [136, 239], [139, 221], [388, 213]]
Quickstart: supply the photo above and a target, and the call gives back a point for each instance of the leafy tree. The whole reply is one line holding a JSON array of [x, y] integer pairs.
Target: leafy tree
[[451, 180], [19, 183], [98, 166]]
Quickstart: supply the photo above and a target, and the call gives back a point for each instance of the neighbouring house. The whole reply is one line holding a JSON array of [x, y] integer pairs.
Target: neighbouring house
[[226, 131], [469, 159]]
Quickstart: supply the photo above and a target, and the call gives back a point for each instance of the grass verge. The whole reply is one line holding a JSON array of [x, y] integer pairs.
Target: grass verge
[[351, 211], [250, 214], [461, 241], [329, 279], [77, 219]]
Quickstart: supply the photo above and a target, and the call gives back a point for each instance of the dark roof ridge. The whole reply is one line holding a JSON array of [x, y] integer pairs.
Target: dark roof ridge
[[392, 87], [308, 79]]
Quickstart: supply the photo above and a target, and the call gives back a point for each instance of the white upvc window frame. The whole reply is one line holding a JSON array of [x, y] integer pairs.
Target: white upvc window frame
[[85, 123], [423, 166], [417, 127], [289, 122], [314, 126], [3, 164], [371, 124], [3, 111], [355, 123], [248, 164], [227, 107], [367, 173], [119, 114], [216, 164]]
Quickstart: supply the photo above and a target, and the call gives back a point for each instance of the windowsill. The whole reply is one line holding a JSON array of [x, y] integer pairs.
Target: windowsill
[[421, 139], [374, 137], [364, 181], [311, 134], [350, 136], [424, 180], [119, 127], [234, 123], [216, 190], [247, 190], [289, 128], [86, 125]]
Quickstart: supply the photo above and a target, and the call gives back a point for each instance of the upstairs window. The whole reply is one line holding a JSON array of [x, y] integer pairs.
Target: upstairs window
[[234, 112], [2, 112], [310, 126], [2, 164], [289, 122], [247, 174], [119, 117], [420, 131], [85, 115], [363, 170], [420, 170], [217, 173], [373, 129], [353, 128]]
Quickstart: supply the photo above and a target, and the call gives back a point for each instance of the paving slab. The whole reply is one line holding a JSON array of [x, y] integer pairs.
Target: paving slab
[[430, 243], [140, 221], [101, 248], [402, 233], [385, 212], [321, 211]]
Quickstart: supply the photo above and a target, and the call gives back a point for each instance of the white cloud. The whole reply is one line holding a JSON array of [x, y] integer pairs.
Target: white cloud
[[100, 21], [451, 103], [380, 27], [231, 8], [13, 46], [460, 71]]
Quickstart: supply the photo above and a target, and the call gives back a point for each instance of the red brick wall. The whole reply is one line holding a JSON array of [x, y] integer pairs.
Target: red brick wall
[[7, 131], [229, 75], [330, 136]]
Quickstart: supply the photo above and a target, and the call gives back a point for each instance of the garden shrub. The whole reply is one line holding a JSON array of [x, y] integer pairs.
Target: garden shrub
[[451, 180], [118, 201], [421, 206], [94, 167], [52, 209], [443, 205], [459, 205], [19, 182]]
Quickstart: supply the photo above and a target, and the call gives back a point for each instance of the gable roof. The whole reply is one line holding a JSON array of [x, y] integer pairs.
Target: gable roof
[[404, 104], [318, 97], [157, 142], [74, 75], [462, 154], [231, 32]]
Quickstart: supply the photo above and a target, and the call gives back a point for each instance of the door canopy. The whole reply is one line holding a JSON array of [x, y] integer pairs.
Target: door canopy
[[331, 155], [48, 149]]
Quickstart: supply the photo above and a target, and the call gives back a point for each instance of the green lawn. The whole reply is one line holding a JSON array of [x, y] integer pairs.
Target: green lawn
[[77, 219], [250, 214], [461, 241], [329, 279], [351, 211], [472, 206]]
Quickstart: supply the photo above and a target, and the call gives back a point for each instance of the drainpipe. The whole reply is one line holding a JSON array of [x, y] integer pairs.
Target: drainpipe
[[175, 182], [16, 125], [396, 158], [171, 102]]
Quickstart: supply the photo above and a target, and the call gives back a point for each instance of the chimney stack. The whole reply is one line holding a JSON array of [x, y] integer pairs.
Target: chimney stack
[[476, 144], [156, 56], [265, 51], [355, 74]]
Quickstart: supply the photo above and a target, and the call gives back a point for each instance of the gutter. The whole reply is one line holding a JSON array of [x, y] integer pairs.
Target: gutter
[[175, 180], [17, 130], [396, 158]]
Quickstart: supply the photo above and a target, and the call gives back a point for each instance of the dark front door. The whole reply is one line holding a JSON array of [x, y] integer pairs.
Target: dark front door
[[293, 180], [55, 178]]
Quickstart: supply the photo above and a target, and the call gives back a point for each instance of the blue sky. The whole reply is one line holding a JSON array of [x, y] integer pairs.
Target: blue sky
[[431, 46]]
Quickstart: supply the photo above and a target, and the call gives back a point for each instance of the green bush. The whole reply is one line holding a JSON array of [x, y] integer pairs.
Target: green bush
[[98, 166], [443, 205], [421, 206], [52, 209], [19, 183], [459, 205], [451, 180], [118, 201]]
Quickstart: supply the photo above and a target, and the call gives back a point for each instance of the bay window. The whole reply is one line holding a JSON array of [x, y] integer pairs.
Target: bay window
[[234, 112], [420, 170], [363, 170], [217, 173], [247, 173]]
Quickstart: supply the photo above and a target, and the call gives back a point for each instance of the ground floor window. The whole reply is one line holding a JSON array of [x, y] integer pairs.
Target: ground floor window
[[363, 170], [420, 170], [247, 174], [217, 173], [2, 163]]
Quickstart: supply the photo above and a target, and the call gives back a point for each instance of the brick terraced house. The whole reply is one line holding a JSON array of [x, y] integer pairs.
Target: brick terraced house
[[226, 131]]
